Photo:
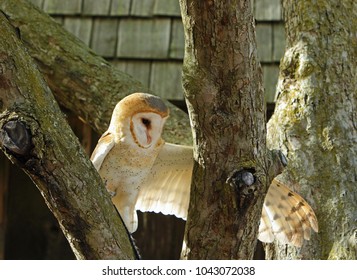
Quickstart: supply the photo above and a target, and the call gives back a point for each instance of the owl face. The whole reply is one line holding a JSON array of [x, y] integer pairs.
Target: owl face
[[138, 120], [146, 128]]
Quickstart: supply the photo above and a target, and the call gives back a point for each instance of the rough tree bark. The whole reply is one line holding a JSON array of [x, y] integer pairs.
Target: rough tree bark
[[34, 135], [315, 122], [80, 80], [223, 89]]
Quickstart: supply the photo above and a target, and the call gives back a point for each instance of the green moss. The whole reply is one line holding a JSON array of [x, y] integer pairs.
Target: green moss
[[341, 252]]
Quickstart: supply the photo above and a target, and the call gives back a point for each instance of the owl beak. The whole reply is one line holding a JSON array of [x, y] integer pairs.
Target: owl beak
[[148, 138]]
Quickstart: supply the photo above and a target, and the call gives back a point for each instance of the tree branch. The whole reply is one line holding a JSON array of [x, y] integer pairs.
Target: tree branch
[[35, 136], [314, 122], [80, 80], [223, 88]]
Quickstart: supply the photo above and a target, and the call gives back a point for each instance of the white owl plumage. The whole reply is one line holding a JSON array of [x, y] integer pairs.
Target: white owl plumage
[[144, 173]]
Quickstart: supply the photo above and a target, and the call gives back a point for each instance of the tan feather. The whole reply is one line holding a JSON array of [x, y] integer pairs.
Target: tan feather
[[290, 215], [167, 188], [105, 144], [265, 228]]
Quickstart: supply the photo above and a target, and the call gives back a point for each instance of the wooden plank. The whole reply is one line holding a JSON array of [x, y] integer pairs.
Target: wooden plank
[[120, 7], [167, 8], [177, 44], [80, 27], [165, 241], [65, 7], [267, 10], [278, 41], [82, 130], [144, 38], [4, 177], [138, 69], [95, 7], [264, 33], [165, 79], [37, 3], [104, 37], [142, 8], [58, 19], [270, 80]]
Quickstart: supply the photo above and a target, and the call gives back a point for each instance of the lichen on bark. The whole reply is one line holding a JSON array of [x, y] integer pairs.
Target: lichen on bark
[[314, 122]]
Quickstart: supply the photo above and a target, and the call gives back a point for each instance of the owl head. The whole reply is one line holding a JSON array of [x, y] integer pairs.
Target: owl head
[[139, 117]]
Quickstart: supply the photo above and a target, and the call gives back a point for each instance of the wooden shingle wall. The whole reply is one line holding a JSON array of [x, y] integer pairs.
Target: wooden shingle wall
[[145, 37]]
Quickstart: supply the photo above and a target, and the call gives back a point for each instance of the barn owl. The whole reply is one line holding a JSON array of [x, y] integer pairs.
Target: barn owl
[[144, 173]]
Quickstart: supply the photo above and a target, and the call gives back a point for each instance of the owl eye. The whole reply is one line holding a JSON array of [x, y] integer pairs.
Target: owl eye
[[145, 121]]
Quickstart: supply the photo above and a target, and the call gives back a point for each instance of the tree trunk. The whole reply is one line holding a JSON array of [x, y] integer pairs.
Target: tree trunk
[[223, 89], [80, 80], [35, 136], [315, 122]]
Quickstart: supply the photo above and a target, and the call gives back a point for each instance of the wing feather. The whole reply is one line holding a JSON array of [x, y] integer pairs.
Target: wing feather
[[167, 188], [105, 144], [290, 217], [286, 216], [265, 228]]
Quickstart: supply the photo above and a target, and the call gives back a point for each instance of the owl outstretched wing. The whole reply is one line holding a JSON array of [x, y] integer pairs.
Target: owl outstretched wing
[[286, 216], [167, 188], [105, 144]]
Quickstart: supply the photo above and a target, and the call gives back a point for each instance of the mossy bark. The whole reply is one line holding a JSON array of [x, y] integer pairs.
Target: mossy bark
[[223, 89], [35, 136], [80, 80], [315, 122]]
